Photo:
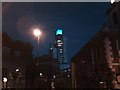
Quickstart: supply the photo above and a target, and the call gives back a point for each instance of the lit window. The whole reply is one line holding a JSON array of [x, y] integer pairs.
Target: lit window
[[41, 74], [59, 41], [54, 76], [17, 70], [61, 56], [83, 61], [68, 69], [59, 45], [61, 49]]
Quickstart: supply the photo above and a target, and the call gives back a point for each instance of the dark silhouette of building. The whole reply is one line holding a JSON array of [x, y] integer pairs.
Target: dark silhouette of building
[[41, 76], [15, 54], [66, 73]]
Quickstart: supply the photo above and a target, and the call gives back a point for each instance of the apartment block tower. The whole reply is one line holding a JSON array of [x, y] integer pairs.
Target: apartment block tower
[[58, 50]]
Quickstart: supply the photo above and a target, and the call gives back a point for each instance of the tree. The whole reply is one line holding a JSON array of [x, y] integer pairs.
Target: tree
[[25, 49], [6, 40]]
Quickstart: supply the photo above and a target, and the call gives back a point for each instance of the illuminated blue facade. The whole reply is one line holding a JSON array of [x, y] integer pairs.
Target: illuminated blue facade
[[59, 32]]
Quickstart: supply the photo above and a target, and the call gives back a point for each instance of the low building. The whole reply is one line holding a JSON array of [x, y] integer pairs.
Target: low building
[[41, 71]]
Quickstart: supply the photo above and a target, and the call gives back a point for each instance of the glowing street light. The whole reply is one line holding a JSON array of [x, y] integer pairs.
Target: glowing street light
[[37, 33], [41, 74], [5, 79], [54, 76], [17, 70], [4, 82]]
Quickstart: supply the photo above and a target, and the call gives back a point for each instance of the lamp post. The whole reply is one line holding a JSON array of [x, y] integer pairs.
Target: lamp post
[[4, 82], [37, 33], [16, 77]]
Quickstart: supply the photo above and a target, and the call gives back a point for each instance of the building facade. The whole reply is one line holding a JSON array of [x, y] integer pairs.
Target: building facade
[[113, 15], [97, 64]]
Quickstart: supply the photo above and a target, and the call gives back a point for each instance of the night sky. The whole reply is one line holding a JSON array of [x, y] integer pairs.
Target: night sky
[[80, 22]]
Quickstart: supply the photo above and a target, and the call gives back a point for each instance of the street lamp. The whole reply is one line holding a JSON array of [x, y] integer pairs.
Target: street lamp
[[41, 74], [4, 82], [17, 70], [37, 33]]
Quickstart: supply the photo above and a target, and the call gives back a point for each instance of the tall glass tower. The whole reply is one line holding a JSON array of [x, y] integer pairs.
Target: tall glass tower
[[58, 51], [59, 45]]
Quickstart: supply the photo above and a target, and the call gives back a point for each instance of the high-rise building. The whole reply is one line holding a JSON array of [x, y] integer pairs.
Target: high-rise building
[[59, 45], [58, 50]]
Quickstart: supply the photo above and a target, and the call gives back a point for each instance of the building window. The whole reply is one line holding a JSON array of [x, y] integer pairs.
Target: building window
[[83, 61], [92, 58], [115, 18], [98, 53], [118, 44], [68, 69]]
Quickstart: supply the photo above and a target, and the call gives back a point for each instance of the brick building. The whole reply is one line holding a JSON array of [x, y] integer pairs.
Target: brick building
[[97, 64]]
